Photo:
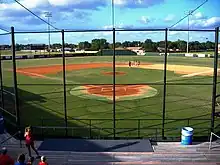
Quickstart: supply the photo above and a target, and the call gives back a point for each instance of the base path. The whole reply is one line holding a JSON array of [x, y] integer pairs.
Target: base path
[[53, 69]]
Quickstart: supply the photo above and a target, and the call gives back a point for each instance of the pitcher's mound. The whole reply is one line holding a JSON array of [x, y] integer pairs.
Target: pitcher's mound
[[112, 73]]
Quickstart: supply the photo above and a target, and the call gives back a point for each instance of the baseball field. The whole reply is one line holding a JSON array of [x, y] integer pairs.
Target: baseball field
[[89, 95]]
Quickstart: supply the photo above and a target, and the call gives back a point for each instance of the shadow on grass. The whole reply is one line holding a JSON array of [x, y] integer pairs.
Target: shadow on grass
[[32, 114], [33, 111]]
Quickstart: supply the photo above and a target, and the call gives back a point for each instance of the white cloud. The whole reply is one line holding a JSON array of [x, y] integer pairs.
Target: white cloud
[[198, 15], [12, 14], [16, 6], [145, 19], [169, 18], [205, 23], [214, 21], [120, 2], [137, 3], [176, 33], [118, 26]]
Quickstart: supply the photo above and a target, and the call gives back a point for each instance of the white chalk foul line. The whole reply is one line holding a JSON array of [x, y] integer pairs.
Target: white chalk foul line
[[43, 76]]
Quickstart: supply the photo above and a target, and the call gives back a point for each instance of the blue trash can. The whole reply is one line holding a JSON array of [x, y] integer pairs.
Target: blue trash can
[[2, 128], [187, 134]]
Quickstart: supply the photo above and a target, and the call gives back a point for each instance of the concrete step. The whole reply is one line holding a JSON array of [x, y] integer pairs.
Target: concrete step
[[165, 153]]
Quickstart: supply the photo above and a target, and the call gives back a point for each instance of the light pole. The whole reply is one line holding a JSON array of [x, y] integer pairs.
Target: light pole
[[189, 13], [48, 15]]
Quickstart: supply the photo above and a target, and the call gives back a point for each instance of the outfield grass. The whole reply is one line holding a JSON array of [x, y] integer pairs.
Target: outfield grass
[[19, 53], [207, 52], [43, 98]]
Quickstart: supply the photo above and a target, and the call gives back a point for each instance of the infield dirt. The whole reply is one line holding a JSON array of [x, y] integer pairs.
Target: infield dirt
[[53, 69], [121, 90]]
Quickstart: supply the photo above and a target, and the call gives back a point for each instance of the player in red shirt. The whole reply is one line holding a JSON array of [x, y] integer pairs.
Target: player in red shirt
[[29, 140], [5, 159], [43, 161]]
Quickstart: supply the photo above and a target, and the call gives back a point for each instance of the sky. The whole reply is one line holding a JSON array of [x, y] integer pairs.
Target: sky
[[97, 14]]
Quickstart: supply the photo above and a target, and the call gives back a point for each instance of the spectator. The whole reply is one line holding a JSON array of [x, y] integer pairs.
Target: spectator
[[5, 159], [30, 161], [21, 160], [43, 161], [29, 139]]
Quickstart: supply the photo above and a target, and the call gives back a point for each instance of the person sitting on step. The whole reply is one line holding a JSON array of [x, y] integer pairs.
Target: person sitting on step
[[43, 161], [21, 160], [5, 159]]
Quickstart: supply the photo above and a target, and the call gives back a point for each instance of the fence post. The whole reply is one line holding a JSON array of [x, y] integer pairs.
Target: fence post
[[164, 87], [139, 128], [114, 124], [15, 78], [215, 74], [64, 81], [42, 123], [90, 128], [1, 84]]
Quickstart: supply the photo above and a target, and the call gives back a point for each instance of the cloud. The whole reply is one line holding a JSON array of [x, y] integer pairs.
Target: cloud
[[194, 36], [80, 4], [118, 26], [137, 3], [12, 14], [16, 6], [199, 16], [75, 13], [169, 18], [77, 4], [145, 20], [205, 23]]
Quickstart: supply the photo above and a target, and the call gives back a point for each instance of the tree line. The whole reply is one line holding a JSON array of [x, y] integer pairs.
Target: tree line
[[148, 45]]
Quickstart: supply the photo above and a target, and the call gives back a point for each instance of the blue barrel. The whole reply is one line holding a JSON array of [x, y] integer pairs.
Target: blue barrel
[[2, 128], [187, 134]]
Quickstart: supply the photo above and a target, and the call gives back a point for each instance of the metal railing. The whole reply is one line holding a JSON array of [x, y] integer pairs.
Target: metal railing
[[139, 128], [210, 141], [12, 136]]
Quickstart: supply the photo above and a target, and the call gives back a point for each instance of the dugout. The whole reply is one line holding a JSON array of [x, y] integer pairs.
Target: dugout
[[120, 52], [36, 47]]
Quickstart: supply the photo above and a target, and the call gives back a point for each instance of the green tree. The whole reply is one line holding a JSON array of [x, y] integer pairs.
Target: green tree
[[56, 46], [98, 44], [181, 45], [84, 45], [210, 45], [118, 44], [149, 45], [126, 44]]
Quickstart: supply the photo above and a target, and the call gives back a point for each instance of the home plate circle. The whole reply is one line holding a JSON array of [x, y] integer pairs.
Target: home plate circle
[[106, 92]]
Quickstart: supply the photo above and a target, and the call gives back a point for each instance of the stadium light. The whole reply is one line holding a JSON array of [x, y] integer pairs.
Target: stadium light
[[188, 14], [113, 14], [48, 15]]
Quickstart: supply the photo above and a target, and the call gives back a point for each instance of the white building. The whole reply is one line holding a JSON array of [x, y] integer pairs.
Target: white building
[[138, 50]]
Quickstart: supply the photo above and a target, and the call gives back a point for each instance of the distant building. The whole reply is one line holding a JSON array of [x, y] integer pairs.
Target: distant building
[[138, 50], [67, 50], [36, 47], [5, 47]]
